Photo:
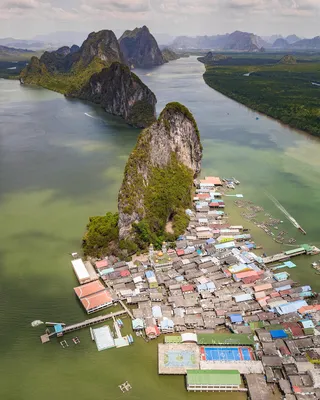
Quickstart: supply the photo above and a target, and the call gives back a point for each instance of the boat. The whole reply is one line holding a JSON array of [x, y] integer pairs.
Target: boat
[[37, 322]]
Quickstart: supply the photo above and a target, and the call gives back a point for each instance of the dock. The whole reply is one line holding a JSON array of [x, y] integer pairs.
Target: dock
[[284, 256], [84, 324]]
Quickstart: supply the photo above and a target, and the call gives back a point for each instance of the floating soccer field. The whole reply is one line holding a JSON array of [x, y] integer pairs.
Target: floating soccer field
[[226, 354]]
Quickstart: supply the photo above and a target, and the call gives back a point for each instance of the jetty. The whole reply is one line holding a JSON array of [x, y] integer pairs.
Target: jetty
[[84, 324], [286, 255]]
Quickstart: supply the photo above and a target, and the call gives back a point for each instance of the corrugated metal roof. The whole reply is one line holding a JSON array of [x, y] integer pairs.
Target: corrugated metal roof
[[216, 378]]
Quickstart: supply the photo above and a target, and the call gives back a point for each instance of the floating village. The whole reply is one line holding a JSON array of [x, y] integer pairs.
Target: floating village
[[229, 320]]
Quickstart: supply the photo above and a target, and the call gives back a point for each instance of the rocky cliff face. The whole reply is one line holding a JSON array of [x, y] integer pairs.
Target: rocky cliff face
[[60, 60], [140, 48], [121, 92], [158, 181], [103, 45], [169, 55], [101, 48], [212, 58]]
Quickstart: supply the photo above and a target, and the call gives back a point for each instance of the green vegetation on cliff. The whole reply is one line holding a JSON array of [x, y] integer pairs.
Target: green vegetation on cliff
[[283, 91], [169, 193], [101, 236], [36, 73]]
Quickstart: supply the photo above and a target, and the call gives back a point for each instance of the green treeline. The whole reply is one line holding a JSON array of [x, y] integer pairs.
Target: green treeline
[[282, 91]]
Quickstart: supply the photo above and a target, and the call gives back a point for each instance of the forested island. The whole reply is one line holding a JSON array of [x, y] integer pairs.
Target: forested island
[[283, 87]]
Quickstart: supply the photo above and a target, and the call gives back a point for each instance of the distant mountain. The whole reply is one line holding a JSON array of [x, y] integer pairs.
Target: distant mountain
[[67, 38], [271, 39], [10, 53], [199, 42], [307, 44], [26, 44], [244, 41], [292, 39], [140, 48], [280, 44], [236, 41]]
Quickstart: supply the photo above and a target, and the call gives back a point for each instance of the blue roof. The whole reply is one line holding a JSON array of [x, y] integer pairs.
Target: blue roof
[[179, 278], [236, 318], [201, 287], [278, 334], [166, 324], [307, 323], [150, 274], [211, 285], [58, 328], [210, 241], [281, 288], [290, 307], [289, 264]]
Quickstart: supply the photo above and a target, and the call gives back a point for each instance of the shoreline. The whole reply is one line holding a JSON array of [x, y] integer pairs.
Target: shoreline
[[261, 113]]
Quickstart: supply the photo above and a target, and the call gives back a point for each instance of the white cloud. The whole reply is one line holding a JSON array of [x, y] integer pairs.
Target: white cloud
[[170, 16]]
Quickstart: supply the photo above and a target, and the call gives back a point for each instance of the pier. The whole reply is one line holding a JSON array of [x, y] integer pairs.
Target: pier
[[84, 324], [284, 256]]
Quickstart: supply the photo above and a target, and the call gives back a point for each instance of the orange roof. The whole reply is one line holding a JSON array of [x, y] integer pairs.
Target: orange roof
[[88, 289], [265, 286], [152, 330], [307, 309], [102, 264], [96, 300], [213, 180], [246, 274]]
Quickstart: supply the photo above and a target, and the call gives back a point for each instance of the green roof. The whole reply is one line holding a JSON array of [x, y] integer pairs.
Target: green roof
[[274, 327], [173, 339], [294, 251], [256, 324], [231, 339], [211, 377]]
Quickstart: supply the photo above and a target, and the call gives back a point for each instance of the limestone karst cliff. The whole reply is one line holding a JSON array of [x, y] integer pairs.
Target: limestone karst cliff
[[140, 48], [120, 92], [158, 181]]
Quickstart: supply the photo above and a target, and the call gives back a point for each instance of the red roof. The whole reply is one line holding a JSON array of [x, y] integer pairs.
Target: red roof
[[213, 204], [101, 264], [187, 288], [125, 273], [284, 351], [294, 327], [250, 279], [89, 289], [203, 196], [247, 274], [96, 300], [274, 294], [152, 331], [180, 252]]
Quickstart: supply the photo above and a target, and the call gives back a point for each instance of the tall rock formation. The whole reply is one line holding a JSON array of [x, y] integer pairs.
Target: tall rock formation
[[169, 55], [102, 45], [158, 181], [140, 48], [95, 72], [120, 92]]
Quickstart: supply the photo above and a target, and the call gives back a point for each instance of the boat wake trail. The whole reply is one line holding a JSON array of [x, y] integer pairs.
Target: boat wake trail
[[285, 212], [91, 116]]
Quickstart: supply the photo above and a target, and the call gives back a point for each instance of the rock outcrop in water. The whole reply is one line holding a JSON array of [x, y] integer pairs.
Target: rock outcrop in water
[[158, 180], [169, 55], [95, 72], [120, 92], [140, 48]]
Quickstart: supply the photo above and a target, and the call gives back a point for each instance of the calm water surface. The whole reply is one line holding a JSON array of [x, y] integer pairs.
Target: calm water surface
[[62, 161]]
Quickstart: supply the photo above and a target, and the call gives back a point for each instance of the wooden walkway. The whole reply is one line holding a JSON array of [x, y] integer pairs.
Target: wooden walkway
[[281, 257], [89, 322]]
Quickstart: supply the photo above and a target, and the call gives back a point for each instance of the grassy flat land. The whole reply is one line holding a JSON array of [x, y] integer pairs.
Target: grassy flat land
[[282, 91]]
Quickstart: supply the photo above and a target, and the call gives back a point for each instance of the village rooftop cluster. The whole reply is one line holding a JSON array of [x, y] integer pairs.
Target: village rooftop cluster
[[232, 321]]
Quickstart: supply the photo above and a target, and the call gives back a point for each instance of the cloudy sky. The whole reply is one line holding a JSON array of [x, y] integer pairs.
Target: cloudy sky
[[27, 18]]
